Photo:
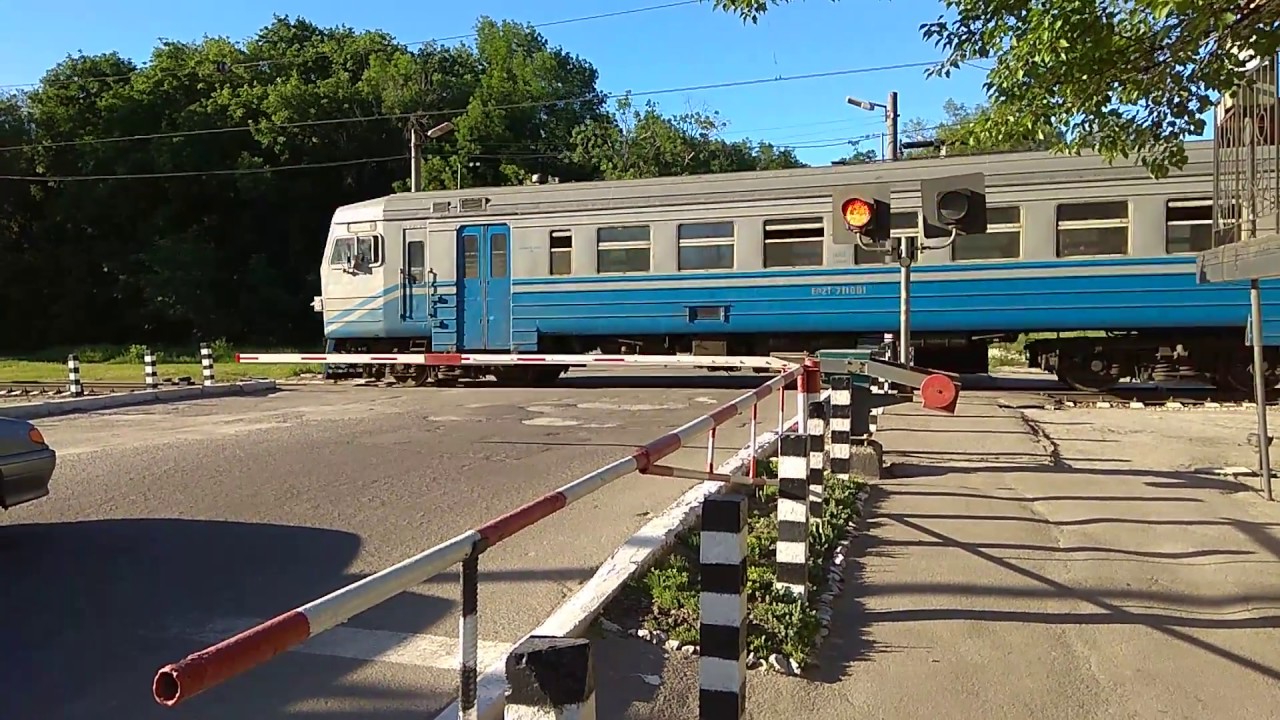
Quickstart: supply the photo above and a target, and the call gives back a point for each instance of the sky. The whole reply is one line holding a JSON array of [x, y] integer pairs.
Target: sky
[[675, 47]]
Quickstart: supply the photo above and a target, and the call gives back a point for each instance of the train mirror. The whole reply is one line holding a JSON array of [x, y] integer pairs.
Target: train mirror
[[860, 211], [958, 203]]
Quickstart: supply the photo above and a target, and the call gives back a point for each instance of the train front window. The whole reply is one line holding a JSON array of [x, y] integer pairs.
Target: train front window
[[344, 252]]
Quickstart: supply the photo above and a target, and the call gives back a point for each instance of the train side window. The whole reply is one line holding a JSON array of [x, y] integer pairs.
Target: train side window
[[344, 251], [706, 246], [416, 253], [622, 249], [794, 242], [1188, 225], [1093, 228], [901, 225], [1001, 241], [369, 249], [498, 255], [561, 252], [470, 256]]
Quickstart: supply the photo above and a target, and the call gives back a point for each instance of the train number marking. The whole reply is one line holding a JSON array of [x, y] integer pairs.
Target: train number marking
[[839, 290]]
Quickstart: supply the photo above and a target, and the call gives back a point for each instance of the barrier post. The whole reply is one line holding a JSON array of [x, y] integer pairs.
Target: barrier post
[[74, 386], [792, 558], [841, 414], [551, 678], [206, 363], [817, 457], [722, 601], [468, 637], [149, 370]]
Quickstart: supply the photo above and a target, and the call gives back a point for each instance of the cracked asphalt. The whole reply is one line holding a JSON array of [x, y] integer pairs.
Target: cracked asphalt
[[1070, 564], [170, 527]]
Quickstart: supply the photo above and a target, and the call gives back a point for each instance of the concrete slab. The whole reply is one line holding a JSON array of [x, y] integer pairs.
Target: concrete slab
[[67, 406]]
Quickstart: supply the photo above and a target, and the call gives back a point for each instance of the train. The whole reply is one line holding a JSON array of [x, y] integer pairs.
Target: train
[[746, 264]]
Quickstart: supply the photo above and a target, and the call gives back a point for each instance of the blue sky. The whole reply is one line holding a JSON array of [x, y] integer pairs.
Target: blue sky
[[675, 47]]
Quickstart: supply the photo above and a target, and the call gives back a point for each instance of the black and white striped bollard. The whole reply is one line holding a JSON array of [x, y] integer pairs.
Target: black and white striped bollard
[[841, 424], [792, 558], [722, 603], [817, 457], [149, 370], [551, 678], [469, 638], [74, 386], [206, 363]]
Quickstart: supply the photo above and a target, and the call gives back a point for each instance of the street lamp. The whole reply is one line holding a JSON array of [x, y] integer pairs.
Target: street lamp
[[890, 119], [415, 149], [443, 128]]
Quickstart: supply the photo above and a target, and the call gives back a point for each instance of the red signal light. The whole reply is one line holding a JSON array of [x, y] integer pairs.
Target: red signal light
[[858, 213]]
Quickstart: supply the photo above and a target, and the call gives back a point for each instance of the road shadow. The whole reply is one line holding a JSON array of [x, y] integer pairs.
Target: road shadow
[[1155, 479], [93, 609]]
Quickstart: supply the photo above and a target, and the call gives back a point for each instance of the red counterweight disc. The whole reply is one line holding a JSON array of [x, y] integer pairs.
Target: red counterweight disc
[[938, 392]]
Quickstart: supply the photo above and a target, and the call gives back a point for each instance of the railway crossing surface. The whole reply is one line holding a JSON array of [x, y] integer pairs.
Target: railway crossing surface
[[1063, 564]]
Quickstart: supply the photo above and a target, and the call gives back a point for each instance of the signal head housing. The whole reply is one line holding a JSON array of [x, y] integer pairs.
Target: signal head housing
[[860, 210], [956, 202]]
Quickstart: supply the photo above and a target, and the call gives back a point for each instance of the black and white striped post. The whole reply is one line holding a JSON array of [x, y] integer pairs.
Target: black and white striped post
[[74, 386], [841, 414], [149, 370], [792, 557], [722, 602], [206, 363], [469, 637], [817, 457], [551, 678]]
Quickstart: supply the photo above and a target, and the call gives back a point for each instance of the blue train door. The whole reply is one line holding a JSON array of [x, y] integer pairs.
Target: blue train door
[[485, 269]]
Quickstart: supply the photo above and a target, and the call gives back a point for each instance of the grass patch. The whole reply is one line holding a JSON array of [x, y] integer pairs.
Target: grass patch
[[666, 598], [108, 363]]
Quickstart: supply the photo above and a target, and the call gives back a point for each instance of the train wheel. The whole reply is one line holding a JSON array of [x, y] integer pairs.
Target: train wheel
[[411, 375], [1093, 374]]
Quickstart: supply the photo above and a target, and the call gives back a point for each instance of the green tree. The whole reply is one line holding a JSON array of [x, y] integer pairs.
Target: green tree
[[953, 133], [1125, 77]]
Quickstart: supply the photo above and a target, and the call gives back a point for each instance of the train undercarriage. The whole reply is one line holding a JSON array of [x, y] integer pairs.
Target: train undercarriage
[[1088, 363]]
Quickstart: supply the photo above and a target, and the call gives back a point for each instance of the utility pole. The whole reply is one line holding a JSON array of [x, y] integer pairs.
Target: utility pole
[[415, 149], [891, 125], [415, 157]]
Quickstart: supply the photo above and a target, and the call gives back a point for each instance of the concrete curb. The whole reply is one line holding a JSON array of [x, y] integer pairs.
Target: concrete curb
[[632, 559], [51, 408]]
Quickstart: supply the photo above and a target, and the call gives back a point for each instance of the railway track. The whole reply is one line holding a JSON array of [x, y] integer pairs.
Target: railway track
[[1146, 397], [23, 388]]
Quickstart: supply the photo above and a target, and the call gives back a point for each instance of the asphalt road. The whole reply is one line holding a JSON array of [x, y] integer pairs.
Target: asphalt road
[[172, 527]]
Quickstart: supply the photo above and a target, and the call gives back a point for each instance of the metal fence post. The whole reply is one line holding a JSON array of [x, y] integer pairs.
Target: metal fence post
[[793, 513], [722, 665], [206, 363], [74, 386]]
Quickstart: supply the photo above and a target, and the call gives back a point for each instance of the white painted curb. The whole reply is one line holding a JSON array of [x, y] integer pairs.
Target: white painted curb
[[51, 408], [633, 558]]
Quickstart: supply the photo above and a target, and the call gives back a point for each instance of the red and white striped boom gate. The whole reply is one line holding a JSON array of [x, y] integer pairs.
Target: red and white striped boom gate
[[180, 681], [492, 359]]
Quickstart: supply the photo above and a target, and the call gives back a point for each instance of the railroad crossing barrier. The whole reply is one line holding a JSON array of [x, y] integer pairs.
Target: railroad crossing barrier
[[539, 665]]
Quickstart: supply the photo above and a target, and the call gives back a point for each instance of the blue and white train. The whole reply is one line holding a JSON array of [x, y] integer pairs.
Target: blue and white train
[[745, 264]]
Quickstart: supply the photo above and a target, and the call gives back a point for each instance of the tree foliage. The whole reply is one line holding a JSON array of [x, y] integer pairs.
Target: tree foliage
[[225, 240], [1127, 78]]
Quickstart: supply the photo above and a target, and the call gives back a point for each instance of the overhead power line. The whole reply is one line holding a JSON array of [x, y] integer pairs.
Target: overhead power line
[[545, 153], [459, 111], [324, 53]]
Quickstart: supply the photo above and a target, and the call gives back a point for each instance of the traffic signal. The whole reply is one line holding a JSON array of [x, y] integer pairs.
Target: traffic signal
[[958, 203], [860, 210]]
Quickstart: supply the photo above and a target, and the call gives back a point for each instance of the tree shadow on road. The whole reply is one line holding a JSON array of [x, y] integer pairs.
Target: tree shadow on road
[[93, 609]]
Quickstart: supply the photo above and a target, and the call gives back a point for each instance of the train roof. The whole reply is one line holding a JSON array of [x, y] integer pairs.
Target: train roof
[[1017, 169]]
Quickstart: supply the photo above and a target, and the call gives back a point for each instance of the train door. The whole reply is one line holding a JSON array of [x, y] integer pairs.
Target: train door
[[485, 272], [415, 283]]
